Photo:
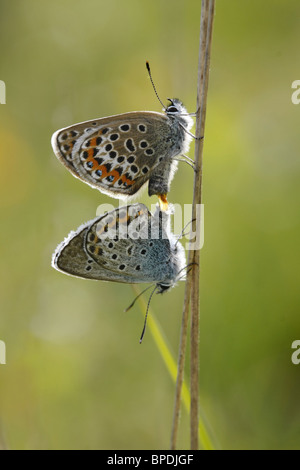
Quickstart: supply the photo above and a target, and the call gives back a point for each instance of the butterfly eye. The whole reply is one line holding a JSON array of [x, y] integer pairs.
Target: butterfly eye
[[172, 109]]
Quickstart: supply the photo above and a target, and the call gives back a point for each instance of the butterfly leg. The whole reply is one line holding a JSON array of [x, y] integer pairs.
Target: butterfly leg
[[186, 159], [190, 133]]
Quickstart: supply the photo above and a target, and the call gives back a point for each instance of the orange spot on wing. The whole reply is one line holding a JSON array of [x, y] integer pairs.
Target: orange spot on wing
[[90, 154], [115, 174], [93, 142], [90, 158], [141, 212], [126, 180], [124, 219]]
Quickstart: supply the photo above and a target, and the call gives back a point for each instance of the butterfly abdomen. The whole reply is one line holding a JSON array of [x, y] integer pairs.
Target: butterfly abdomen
[[161, 177]]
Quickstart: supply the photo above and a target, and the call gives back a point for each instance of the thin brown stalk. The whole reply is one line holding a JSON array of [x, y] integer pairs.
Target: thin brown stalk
[[192, 290], [180, 365]]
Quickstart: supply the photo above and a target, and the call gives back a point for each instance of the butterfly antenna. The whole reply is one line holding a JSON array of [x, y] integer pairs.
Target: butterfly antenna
[[134, 300], [188, 268], [146, 316], [154, 88]]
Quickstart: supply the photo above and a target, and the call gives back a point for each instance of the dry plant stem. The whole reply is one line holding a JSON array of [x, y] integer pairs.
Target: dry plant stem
[[192, 293], [180, 366], [203, 71]]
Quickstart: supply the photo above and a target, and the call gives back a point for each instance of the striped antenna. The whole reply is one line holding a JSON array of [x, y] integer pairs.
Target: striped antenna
[[154, 88]]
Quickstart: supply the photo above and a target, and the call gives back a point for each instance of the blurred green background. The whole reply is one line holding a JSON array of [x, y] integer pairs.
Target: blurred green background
[[76, 376]]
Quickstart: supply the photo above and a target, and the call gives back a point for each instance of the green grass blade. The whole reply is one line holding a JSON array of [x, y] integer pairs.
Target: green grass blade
[[171, 365]]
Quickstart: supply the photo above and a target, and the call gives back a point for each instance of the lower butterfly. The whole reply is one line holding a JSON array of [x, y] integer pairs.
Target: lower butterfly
[[128, 245]]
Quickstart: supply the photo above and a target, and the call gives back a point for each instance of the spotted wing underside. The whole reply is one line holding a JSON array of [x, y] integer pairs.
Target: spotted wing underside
[[115, 154], [114, 247]]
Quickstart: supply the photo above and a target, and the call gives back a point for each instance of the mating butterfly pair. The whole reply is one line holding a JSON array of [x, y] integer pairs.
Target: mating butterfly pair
[[119, 155]]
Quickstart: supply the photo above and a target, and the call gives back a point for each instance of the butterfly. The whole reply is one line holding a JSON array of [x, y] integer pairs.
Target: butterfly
[[119, 154], [127, 245]]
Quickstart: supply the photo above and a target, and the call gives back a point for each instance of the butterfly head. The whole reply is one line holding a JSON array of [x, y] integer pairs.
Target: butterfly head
[[178, 259], [176, 107], [179, 111], [161, 288]]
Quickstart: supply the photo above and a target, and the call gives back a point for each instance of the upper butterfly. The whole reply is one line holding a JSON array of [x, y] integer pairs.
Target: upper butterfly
[[119, 154]]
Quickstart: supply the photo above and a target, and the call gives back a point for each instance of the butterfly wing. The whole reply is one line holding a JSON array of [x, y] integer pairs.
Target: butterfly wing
[[115, 154], [123, 240], [70, 257], [116, 247]]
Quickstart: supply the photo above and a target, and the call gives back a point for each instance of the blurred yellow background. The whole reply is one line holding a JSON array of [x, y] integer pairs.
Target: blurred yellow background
[[76, 376]]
